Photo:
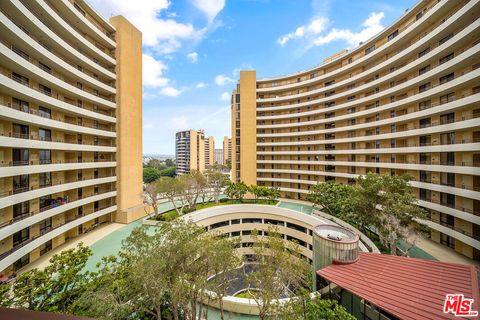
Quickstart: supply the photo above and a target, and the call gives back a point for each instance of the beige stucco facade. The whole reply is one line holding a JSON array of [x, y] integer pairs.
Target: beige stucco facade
[[70, 126], [129, 121], [227, 150], [407, 101]]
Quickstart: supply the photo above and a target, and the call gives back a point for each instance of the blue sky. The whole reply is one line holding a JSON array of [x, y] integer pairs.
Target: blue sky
[[194, 49]]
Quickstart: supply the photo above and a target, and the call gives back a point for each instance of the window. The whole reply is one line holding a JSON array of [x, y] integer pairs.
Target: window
[[393, 35], [330, 93], [20, 131], [424, 87], [445, 39], [329, 83], [449, 97], [424, 105], [447, 78], [45, 225], [350, 98], [447, 179], [44, 112], [20, 183], [44, 248], [419, 16], [447, 158], [45, 156], [424, 123], [369, 50], [425, 140], [424, 52], [45, 134], [45, 202], [20, 157], [21, 209], [447, 138], [447, 118], [329, 104], [44, 67], [424, 70], [19, 78], [22, 262], [20, 105], [45, 90], [21, 236], [45, 179], [446, 58], [447, 199]]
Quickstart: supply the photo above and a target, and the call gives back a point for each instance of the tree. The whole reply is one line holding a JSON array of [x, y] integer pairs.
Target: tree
[[316, 308], [333, 198], [171, 188], [273, 193], [200, 185], [169, 162], [168, 172], [150, 175], [276, 270], [216, 181], [159, 275], [387, 205], [54, 288], [231, 189], [150, 196], [156, 164]]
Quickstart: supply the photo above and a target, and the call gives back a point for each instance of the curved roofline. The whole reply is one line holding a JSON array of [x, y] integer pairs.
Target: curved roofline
[[106, 24], [364, 44]]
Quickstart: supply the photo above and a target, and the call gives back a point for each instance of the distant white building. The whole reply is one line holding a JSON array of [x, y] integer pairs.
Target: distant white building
[[218, 156]]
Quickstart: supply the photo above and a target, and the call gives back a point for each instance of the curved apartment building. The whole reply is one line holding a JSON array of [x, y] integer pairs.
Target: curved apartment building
[[405, 101], [70, 125]]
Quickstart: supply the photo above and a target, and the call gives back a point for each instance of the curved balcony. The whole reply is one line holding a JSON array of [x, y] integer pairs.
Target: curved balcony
[[9, 199], [460, 39], [465, 146], [16, 87], [462, 168], [462, 59], [13, 140], [456, 233], [34, 72], [71, 14], [437, 128], [16, 114], [65, 30], [456, 211], [24, 15], [9, 169], [10, 227], [459, 191], [18, 36], [9, 257]]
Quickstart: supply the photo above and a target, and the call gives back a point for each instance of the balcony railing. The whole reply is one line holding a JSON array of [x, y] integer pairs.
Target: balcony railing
[[59, 119], [56, 183], [49, 139], [24, 243], [41, 162], [64, 201]]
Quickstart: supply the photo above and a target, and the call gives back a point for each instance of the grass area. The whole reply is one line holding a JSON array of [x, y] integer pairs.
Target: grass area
[[172, 214], [247, 294]]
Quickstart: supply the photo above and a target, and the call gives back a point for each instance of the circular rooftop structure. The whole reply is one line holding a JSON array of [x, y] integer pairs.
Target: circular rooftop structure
[[335, 233]]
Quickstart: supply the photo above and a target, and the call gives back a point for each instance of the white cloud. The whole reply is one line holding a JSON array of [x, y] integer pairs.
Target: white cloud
[[193, 57], [200, 85], [210, 8], [163, 34], [170, 92], [152, 72], [371, 26], [222, 80], [225, 96], [315, 26]]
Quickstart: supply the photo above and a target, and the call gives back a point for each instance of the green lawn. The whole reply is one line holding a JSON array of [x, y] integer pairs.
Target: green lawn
[[172, 214]]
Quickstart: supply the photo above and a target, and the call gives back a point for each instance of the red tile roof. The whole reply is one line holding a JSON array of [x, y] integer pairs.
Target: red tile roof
[[407, 288]]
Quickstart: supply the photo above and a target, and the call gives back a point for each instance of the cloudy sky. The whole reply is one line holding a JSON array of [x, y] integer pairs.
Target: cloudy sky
[[193, 51]]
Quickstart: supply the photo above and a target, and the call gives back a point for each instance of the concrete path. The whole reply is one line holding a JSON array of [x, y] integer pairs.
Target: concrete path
[[443, 253]]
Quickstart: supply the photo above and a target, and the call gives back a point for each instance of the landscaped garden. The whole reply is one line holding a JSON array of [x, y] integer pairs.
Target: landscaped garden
[[163, 272]]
